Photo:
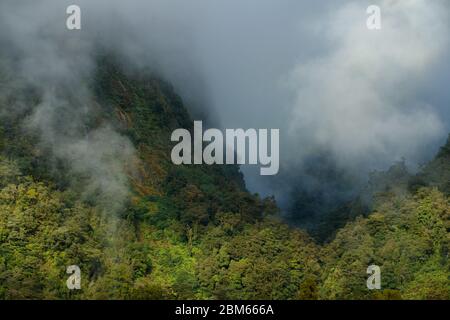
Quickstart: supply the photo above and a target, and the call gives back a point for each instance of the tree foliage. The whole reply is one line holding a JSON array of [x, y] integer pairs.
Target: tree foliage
[[195, 232]]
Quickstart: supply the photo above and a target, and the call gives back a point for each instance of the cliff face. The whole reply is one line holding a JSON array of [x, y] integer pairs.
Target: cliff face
[[95, 187]]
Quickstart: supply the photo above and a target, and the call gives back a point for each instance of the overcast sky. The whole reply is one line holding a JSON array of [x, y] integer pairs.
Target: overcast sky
[[310, 68]]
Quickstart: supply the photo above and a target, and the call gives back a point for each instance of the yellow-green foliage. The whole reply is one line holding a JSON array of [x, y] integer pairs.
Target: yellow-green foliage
[[407, 237], [195, 232]]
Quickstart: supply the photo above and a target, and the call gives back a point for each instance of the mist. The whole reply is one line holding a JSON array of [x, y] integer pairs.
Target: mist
[[356, 99]]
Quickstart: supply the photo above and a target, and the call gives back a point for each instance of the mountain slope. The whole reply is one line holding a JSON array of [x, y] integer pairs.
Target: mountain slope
[[171, 235], [181, 232]]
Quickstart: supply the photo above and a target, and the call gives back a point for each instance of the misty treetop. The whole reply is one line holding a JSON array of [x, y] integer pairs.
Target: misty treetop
[[195, 232]]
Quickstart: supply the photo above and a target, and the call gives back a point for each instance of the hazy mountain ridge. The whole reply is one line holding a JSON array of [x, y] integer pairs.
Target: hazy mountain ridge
[[190, 231]]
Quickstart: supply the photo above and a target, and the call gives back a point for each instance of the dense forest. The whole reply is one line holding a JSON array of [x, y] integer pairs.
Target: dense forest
[[195, 232]]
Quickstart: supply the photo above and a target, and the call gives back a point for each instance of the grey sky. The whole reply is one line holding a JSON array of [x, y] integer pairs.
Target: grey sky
[[310, 68]]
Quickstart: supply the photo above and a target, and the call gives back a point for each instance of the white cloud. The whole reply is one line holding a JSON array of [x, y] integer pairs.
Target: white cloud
[[357, 98]]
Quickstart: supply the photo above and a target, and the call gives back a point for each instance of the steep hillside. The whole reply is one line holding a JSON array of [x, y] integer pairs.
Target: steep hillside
[[182, 232], [437, 172]]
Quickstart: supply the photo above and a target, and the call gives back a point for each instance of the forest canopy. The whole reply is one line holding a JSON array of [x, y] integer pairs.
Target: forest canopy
[[195, 232]]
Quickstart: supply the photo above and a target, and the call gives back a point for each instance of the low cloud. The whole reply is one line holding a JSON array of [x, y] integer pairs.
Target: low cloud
[[364, 98]]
